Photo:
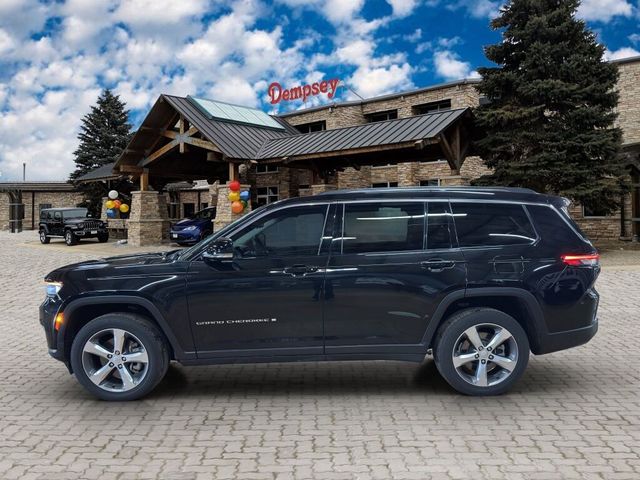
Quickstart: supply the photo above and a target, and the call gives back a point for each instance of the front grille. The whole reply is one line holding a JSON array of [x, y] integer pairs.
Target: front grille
[[92, 224]]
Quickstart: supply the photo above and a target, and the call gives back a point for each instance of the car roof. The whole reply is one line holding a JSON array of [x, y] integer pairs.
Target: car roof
[[62, 209], [511, 194]]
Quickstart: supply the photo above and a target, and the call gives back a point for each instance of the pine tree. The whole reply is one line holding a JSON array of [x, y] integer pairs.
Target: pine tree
[[104, 134], [548, 124]]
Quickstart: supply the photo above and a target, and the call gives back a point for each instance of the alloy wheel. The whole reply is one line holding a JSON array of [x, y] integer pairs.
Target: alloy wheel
[[115, 360], [485, 354]]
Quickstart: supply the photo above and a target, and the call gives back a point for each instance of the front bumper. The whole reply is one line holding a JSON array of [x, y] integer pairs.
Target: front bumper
[[88, 233], [182, 236], [48, 311]]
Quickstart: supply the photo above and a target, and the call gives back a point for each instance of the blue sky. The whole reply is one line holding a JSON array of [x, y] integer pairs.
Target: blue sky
[[56, 56]]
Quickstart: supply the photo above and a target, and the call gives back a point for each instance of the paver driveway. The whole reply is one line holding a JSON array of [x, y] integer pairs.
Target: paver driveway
[[575, 414]]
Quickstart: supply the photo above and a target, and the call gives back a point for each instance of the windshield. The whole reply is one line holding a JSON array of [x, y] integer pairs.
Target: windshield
[[189, 253], [203, 214], [75, 213]]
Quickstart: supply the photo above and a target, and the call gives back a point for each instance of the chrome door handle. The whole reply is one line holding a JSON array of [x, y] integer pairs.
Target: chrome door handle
[[437, 265]]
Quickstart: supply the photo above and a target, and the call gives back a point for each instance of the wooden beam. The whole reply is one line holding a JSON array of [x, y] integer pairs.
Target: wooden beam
[[181, 125], [144, 180], [159, 153], [448, 152], [234, 171], [198, 142], [130, 169]]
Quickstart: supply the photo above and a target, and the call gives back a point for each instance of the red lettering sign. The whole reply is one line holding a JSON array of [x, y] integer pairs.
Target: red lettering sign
[[302, 92]]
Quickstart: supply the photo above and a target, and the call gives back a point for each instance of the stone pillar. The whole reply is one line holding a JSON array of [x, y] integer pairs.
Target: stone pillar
[[148, 223], [224, 215], [4, 211], [407, 174], [103, 209], [322, 187]]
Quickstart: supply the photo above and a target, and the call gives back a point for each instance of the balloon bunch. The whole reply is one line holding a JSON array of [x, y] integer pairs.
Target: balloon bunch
[[239, 200], [115, 206]]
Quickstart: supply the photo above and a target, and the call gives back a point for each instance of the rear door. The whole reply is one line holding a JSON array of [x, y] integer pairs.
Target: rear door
[[391, 264]]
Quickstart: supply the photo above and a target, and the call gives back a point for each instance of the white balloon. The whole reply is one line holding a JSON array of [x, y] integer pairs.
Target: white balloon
[[113, 194]]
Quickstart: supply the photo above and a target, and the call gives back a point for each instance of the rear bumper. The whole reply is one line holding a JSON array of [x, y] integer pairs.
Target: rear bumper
[[553, 342]]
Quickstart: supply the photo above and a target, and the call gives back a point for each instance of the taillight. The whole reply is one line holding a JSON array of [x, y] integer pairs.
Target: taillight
[[590, 260]]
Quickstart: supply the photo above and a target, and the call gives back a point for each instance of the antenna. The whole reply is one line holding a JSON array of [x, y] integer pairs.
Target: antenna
[[351, 90]]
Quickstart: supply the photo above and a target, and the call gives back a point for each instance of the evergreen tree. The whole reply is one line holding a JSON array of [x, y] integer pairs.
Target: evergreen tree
[[104, 134], [548, 124]]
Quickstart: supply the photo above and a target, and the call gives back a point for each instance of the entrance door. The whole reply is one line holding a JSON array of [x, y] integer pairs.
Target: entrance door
[[386, 277], [268, 299]]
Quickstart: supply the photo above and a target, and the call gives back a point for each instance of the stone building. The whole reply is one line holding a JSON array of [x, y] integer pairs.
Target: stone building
[[34, 196]]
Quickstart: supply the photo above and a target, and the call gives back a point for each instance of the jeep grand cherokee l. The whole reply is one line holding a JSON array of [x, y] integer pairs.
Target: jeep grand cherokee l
[[478, 276]]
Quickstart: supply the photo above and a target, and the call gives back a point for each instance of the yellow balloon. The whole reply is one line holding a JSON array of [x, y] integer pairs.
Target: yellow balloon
[[234, 196], [124, 208], [109, 204]]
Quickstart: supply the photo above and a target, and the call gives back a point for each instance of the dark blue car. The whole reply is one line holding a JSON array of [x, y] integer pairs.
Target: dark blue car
[[194, 228]]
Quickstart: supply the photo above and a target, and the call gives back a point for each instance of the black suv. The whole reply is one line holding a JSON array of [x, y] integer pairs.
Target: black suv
[[478, 276], [72, 224]]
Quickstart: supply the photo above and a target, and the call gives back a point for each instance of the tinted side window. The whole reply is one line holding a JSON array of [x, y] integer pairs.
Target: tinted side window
[[480, 224], [438, 225], [383, 227], [553, 229], [294, 231], [57, 215]]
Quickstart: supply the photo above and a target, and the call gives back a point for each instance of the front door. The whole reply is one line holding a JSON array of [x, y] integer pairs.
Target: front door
[[268, 299], [389, 270]]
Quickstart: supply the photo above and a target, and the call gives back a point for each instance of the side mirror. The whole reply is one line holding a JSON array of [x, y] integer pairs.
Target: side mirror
[[220, 250]]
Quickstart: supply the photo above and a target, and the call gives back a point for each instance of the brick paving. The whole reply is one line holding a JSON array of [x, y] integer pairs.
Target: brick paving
[[574, 415]]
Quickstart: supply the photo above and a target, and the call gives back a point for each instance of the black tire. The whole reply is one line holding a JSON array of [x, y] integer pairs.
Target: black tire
[[451, 335], [70, 238], [139, 329], [103, 237], [43, 237]]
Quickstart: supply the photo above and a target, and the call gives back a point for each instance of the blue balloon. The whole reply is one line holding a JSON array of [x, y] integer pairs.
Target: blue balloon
[[244, 195], [111, 213]]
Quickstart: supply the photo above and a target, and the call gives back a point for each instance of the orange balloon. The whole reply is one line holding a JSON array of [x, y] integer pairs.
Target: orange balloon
[[116, 204], [237, 207]]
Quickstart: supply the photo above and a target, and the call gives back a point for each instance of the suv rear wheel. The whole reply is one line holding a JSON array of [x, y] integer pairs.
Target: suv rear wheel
[[70, 238], [481, 351], [43, 237], [119, 356]]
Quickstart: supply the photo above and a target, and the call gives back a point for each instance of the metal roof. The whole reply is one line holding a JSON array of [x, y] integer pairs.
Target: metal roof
[[105, 172], [38, 186], [390, 132], [235, 140]]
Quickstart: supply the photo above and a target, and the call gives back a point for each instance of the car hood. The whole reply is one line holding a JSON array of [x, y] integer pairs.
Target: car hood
[[75, 221], [108, 266], [187, 222]]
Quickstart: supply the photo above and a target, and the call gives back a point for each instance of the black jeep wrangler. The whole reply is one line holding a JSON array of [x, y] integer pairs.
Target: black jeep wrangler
[[480, 277], [72, 224]]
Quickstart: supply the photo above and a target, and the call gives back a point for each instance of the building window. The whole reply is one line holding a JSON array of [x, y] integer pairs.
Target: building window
[[382, 116], [384, 184], [311, 127], [204, 205], [189, 209], [266, 195], [432, 182], [42, 206], [266, 168], [431, 107], [593, 210]]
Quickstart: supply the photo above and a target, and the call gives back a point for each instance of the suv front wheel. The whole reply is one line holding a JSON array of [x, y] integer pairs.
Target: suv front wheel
[[119, 356], [70, 238], [481, 351]]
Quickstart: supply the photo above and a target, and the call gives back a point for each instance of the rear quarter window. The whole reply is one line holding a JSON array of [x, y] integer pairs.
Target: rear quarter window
[[485, 224], [552, 227]]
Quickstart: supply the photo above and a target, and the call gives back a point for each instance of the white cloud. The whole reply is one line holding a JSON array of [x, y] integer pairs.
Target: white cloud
[[369, 82], [624, 52], [336, 11], [450, 67], [6, 42], [604, 10], [158, 12], [635, 38], [475, 8], [402, 8]]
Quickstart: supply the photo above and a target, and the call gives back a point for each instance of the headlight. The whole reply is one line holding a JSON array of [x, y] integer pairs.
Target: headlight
[[191, 228], [52, 288]]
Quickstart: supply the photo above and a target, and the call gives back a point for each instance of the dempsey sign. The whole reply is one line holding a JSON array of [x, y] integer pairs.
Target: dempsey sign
[[301, 92]]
